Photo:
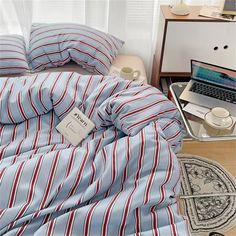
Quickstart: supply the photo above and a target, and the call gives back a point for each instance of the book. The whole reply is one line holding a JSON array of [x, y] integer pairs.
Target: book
[[165, 84], [229, 7], [216, 13]]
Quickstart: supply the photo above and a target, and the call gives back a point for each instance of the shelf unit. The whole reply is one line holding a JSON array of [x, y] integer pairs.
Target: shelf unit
[[182, 38]]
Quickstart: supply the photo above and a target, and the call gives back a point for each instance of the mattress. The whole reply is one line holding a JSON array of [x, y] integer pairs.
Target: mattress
[[120, 61], [123, 179]]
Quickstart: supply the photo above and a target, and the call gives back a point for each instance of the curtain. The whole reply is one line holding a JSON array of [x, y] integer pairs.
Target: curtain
[[134, 21]]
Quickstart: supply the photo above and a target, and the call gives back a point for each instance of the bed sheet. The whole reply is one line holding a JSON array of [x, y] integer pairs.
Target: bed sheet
[[123, 179]]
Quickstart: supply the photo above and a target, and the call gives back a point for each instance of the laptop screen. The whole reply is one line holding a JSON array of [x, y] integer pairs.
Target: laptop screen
[[213, 74]]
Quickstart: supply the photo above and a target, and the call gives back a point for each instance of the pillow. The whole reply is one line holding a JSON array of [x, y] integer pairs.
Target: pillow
[[53, 45], [12, 55]]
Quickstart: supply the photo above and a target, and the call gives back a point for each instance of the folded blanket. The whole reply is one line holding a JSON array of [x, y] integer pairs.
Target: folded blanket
[[121, 180]]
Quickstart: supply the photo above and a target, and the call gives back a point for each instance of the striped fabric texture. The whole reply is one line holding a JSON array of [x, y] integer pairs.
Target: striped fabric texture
[[12, 55], [53, 45], [123, 179]]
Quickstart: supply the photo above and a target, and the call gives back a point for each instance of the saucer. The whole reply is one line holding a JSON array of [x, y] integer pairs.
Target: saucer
[[208, 119]]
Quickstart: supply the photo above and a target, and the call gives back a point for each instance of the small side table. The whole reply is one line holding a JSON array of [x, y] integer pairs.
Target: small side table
[[196, 127]]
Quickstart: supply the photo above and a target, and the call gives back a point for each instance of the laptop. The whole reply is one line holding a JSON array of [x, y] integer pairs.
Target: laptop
[[211, 86]]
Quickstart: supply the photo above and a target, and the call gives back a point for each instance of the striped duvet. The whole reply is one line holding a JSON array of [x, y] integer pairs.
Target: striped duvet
[[121, 180]]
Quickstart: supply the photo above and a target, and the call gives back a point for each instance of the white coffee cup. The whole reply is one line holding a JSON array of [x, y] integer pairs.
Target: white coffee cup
[[129, 74], [219, 117]]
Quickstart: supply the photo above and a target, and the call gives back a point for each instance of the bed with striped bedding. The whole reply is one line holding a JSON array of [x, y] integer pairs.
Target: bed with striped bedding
[[121, 180]]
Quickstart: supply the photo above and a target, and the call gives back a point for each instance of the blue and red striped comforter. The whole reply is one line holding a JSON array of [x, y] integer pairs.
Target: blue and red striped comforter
[[121, 180]]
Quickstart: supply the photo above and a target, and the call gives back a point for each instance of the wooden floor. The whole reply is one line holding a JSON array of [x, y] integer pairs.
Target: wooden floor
[[223, 152]]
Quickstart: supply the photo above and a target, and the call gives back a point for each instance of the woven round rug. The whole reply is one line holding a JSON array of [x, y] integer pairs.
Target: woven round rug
[[208, 194]]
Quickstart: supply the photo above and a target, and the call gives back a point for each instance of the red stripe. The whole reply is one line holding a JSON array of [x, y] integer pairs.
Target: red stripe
[[174, 136], [154, 166], [68, 170], [95, 101], [167, 178], [154, 221], [92, 56], [30, 192], [2, 51], [74, 98], [88, 219], [9, 105], [18, 149], [51, 128], [51, 227], [37, 133], [15, 185], [145, 107], [60, 51], [13, 67], [12, 58], [113, 174], [19, 103], [142, 121], [52, 62], [2, 172], [3, 88], [86, 88], [137, 221], [172, 223], [107, 215], [70, 224], [56, 103], [137, 175], [13, 133], [93, 167], [13, 45], [168, 124], [167, 111], [138, 230], [78, 178], [132, 100], [71, 33], [127, 204], [40, 92], [9, 39], [80, 27], [2, 211], [30, 97], [22, 229], [50, 180]]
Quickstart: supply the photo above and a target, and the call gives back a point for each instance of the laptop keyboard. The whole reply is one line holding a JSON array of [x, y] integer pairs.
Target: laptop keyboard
[[214, 92]]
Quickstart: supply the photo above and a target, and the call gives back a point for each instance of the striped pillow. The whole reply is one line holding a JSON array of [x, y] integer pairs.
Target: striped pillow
[[53, 45], [12, 55]]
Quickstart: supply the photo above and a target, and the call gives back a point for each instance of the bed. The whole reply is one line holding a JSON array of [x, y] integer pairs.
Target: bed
[[123, 179]]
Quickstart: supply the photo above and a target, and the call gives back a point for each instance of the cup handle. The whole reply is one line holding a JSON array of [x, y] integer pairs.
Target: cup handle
[[136, 74]]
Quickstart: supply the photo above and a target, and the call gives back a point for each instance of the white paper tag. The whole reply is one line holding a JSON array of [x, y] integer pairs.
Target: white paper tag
[[196, 110], [75, 126]]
